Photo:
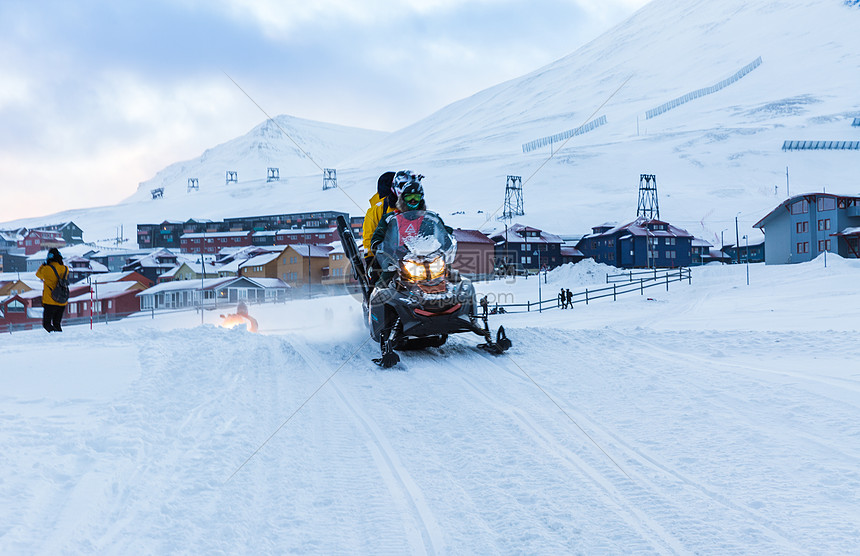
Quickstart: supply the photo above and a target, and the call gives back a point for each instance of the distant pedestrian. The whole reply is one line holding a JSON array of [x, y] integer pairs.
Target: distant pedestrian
[[569, 299], [485, 306], [55, 293], [561, 298]]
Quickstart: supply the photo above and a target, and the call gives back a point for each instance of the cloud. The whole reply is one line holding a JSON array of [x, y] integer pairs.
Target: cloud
[[96, 96]]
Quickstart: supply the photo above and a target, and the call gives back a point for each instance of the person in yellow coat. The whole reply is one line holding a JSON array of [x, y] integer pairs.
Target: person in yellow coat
[[51, 273], [382, 202]]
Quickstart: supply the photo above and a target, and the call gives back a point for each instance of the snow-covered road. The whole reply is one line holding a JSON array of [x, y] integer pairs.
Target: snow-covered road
[[144, 437]]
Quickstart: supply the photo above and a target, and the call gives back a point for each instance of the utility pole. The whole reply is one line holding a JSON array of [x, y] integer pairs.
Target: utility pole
[[202, 272], [737, 241], [787, 189]]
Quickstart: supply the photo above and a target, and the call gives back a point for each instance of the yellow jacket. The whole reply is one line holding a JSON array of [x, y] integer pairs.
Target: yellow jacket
[[371, 220], [49, 279]]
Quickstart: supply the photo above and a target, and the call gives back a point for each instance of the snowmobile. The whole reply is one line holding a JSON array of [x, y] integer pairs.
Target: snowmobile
[[420, 299]]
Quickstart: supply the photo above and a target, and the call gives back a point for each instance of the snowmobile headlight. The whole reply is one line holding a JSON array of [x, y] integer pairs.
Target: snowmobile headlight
[[413, 270], [436, 267]]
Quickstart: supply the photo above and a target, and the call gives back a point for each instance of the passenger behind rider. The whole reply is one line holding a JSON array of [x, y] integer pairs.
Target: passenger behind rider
[[381, 203], [409, 192]]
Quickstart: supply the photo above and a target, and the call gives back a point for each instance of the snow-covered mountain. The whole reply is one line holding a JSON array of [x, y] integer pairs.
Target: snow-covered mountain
[[715, 156], [292, 145]]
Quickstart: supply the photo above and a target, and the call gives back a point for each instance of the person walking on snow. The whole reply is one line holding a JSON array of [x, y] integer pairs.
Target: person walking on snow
[[561, 299], [50, 273], [569, 299]]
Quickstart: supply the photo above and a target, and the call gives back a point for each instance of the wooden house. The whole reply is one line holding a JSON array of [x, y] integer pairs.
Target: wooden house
[[152, 264], [111, 300], [261, 266], [34, 241], [69, 231], [302, 264]]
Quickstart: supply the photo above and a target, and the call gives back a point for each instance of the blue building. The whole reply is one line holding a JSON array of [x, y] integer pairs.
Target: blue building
[[642, 243], [804, 226]]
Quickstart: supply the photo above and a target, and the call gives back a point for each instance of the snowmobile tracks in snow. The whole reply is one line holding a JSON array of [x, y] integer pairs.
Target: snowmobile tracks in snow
[[653, 499], [423, 532]]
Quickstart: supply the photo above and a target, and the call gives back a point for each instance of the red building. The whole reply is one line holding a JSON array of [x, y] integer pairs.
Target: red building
[[34, 241], [113, 300], [313, 236], [213, 242], [475, 254]]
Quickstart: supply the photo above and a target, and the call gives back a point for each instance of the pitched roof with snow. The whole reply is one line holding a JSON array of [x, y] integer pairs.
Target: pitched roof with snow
[[314, 250], [470, 236], [260, 260], [641, 227]]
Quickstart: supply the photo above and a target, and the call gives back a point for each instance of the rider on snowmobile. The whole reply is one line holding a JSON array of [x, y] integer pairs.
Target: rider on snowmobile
[[410, 198]]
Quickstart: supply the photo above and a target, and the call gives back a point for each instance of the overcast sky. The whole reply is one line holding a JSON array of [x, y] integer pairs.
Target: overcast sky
[[98, 95]]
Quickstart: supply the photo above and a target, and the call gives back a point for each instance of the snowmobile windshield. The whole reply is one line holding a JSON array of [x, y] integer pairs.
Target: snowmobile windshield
[[416, 235]]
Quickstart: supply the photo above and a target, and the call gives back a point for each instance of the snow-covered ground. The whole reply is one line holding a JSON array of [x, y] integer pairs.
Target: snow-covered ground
[[714, 418]]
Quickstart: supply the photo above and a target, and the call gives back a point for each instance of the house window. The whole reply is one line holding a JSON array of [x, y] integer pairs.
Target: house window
[[802, 227], [292, 260], [800, 207], [527, 260], [670, 254], [823, 224], [824, 245], [652, 241], [15, 307], [826, 203], [670, 241], [803, 247]]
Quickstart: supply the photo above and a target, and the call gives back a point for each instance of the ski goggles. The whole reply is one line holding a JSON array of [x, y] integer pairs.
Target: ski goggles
[[412, 198]]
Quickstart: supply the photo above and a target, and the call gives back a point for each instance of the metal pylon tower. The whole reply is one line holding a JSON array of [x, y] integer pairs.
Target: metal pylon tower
[[329, 178], [648, 205], [513, 198]]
